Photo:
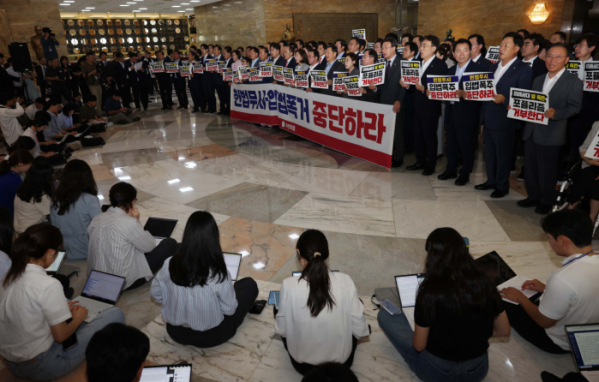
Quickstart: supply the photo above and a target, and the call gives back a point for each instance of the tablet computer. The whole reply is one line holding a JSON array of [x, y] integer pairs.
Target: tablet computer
[[172, 373], [407, 286], [160, 228], [55, 267], [495, 267], [233, 261]]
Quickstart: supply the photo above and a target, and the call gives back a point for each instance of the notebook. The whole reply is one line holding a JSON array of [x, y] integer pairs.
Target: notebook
[[233, 261], [173, 373], [55, 267], [407, 286], [502, 275], [584, 343], [101, 291], [160, 228]]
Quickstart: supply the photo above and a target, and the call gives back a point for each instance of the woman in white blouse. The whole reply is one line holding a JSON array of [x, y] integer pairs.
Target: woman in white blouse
[[320, 316], [34, 312], [200, 304], [32, 203]]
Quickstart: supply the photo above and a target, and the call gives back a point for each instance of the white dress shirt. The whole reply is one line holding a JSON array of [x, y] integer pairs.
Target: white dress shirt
[[117, 244], [31, 110], [200, 307], [29, 306], [425, 66], [502, 69], [327, 337], [477, 58], [570, 297], [550, 82], [31, 134], [11, 128], [10, 70], [531, 61]]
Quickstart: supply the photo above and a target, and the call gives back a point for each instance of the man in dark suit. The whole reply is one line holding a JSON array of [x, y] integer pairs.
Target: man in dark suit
[[392, 93], [116, 70], [478, 51], [543, 143], [462, 117], [314, 65], [277, 59], [580, 125], [180, 83], [499, 131], [131, 86], [195, 84], [40, 71], [287, 53], [409, 52], [530, 54], [370, 93], [341, 47], [208, 81], [418, 41], [331, 66], [164, 83], [225, 107], [219, 84], [427, 111]]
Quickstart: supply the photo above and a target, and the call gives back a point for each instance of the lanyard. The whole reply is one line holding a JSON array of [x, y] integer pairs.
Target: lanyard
[[578, 258]]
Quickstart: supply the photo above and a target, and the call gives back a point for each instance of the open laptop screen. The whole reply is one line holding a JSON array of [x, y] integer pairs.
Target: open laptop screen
[[233, 260], [160, 228], [60, 257], [407, 286], [584, 341], [103, 287], [493, 265], [175, 373]]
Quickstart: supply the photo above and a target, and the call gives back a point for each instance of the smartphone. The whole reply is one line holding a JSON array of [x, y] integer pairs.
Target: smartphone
[[273, 297], [389, 307], [258, 307], [71, 341]]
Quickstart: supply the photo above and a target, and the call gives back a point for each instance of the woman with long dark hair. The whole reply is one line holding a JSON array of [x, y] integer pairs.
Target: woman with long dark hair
[[35, 312], [32, 204], [74, 205], [458, 308], [200, 304], [320, 316], [17, 163]]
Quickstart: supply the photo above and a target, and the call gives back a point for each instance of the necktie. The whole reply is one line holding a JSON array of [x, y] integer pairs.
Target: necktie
[[320, 61], [286, 62], [388, 69]]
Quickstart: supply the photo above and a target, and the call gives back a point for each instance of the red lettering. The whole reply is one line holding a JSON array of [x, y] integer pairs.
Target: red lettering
[[596, 152], [381, 128]]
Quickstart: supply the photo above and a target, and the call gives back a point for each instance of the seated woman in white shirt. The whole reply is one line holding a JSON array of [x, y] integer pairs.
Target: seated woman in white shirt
[[34, 312], [320, 316], [32, 203], [201, 305], [118, 243]]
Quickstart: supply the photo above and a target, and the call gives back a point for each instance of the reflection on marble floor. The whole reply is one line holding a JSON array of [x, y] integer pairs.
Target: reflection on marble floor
[[265, 187]]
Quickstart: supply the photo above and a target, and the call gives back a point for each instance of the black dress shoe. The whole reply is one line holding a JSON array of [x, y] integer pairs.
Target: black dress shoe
[[396, 164], [428, 172], [543, 209], [499, 193], [528, 202], [484, 186], [447, 175], [462, 180], [195, 110], [164, 108], [414, 167]]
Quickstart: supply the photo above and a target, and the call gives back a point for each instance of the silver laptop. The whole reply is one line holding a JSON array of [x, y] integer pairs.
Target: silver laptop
[[584, 343], [233, 261], [173, 373], [101, 291], [407, 286]]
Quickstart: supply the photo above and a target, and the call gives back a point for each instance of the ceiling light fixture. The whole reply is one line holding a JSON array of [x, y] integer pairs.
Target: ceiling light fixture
[[186, 189], [176, 6], [67, 1], [65, 5], [184, 3], [181, 11], [90, 7], [539, 14], [124, 5]]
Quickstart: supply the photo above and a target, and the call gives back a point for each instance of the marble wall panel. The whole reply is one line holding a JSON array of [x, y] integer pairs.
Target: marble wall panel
[[492, 19]]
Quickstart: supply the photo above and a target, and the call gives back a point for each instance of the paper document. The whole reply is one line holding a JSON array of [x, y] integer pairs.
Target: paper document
[[516, 282], [591, 376]]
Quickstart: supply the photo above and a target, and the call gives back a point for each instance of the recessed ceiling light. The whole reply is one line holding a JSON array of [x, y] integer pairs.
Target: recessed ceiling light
[[176, 6], [143, 9], [124, 5], [184, 3], [194, 1], [186, 189], [132, 3], [67, 1], [137, 10], [181, 11], [65, 5], [90, 7], [189, 9], [85, 10]]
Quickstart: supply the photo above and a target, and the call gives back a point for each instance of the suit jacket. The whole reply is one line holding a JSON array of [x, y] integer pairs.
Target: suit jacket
[[336, 67], [518, 75], [566, 98], [131, 73], [101, 68], [464, 112], [391, 90], [424, 106], [485, 65], [117, 72], [538, 68], [292, 64], [280, 61], [41, 77]]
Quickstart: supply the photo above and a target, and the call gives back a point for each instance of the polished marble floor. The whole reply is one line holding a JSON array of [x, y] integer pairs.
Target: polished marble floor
[[265, 187]]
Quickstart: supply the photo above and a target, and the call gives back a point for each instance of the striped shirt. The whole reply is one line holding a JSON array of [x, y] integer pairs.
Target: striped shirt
[[200, 307], [117, 244]]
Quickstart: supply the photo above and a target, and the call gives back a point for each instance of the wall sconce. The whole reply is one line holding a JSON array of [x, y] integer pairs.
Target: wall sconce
[[539, 14]]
